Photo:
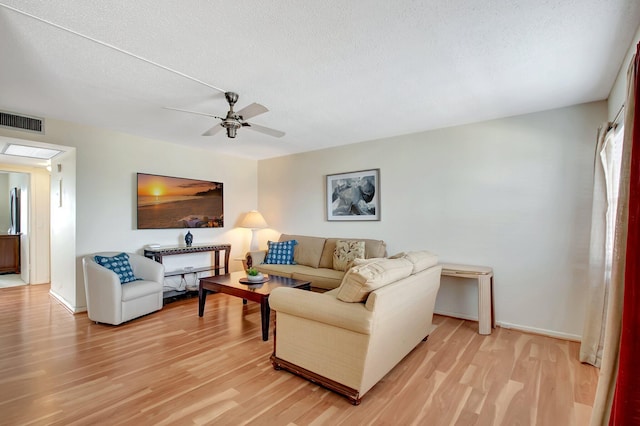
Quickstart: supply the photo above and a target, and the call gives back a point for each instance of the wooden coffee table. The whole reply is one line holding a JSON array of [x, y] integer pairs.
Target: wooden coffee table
[[230, 284]]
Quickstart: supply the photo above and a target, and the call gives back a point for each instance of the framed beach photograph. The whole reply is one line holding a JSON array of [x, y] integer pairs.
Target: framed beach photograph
[[354, 195], [166, 202]]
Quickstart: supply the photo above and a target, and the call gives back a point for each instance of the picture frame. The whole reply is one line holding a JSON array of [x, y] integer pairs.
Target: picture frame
[[167, 202], [353, 196]]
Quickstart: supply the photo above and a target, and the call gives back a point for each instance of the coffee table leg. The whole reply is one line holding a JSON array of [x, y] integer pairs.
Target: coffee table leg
[[202, 297], [265, 314]]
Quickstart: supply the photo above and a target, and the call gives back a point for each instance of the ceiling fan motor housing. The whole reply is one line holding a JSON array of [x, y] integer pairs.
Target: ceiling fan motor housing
[[232, 123], [231, 127], [232, 120]]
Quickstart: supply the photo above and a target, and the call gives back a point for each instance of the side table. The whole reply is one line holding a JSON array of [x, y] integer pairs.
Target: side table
[[484, 276]]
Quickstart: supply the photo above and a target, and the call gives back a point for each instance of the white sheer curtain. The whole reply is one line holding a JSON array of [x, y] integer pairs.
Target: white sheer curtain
[[603, 220], [602, 405]]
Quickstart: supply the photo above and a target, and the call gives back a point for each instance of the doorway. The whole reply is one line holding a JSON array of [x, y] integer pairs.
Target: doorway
[[32, 178], [14, 211]]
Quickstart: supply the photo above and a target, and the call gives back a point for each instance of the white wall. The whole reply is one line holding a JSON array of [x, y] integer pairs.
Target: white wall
[[66, 275], [22, 182], [5, 203], [39, 231], [105, 198], [514, 194]]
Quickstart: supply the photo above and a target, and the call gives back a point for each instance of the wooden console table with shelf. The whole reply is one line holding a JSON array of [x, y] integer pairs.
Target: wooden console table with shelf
[[216, 267]]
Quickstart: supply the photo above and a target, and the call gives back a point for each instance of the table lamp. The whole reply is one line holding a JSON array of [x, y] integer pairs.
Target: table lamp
[[254, 221]]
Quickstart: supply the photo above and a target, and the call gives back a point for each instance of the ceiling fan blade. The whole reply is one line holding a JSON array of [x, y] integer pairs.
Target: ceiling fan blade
[[212, 131], [266, 130], [252, 110], [192, 112]]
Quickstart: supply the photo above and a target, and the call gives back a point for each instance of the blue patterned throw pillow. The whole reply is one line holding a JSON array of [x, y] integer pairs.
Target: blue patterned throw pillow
[[118, 264], [280, 253]]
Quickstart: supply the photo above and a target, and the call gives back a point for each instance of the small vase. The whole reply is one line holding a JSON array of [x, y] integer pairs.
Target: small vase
[[188, 239]]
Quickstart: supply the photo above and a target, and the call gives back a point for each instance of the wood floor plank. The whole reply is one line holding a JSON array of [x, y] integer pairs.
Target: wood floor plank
[[174, 367]]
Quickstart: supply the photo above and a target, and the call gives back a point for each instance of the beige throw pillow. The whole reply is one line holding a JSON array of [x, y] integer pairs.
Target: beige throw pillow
[[308, 250], [362, 279], [346, 252], [421, 260], [398, 255]]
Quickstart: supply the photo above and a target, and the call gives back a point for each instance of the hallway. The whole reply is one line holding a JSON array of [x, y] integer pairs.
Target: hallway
[[11, 280]]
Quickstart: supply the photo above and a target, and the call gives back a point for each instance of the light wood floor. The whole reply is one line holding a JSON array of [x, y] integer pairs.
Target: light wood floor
[[172, 367]]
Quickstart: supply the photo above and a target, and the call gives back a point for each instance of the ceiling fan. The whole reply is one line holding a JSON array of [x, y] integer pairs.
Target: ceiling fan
[[234, 120]]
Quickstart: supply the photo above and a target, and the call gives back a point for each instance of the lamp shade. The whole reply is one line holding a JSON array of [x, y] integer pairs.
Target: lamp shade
[[254, 220]]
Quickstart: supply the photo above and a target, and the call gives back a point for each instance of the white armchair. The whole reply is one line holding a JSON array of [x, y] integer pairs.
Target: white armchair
[[110, 302]]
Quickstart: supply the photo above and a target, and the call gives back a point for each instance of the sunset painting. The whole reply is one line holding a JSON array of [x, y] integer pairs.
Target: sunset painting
[[172, 202]]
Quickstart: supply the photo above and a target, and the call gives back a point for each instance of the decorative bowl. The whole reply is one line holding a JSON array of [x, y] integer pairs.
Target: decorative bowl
[[255, 278]]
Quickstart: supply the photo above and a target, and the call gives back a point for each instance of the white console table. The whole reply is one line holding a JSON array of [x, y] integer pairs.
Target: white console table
[[484, 276]]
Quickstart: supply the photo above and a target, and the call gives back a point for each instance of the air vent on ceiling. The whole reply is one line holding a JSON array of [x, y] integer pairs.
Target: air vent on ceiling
[[21, 122]]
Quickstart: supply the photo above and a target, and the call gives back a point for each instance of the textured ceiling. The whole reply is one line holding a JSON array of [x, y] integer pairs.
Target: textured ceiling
[[331, 72]]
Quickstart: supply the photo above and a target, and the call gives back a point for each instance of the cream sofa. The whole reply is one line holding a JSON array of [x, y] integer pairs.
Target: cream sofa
[[314, 259], [349, 346]]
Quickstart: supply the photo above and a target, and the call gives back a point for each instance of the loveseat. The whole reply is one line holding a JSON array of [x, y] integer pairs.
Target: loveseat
[[349, 338], [314, 259]]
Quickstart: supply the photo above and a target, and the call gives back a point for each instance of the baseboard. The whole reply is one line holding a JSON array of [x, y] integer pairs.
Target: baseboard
[[541, 331], [456, 315], [60, 299], [527, 329]]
